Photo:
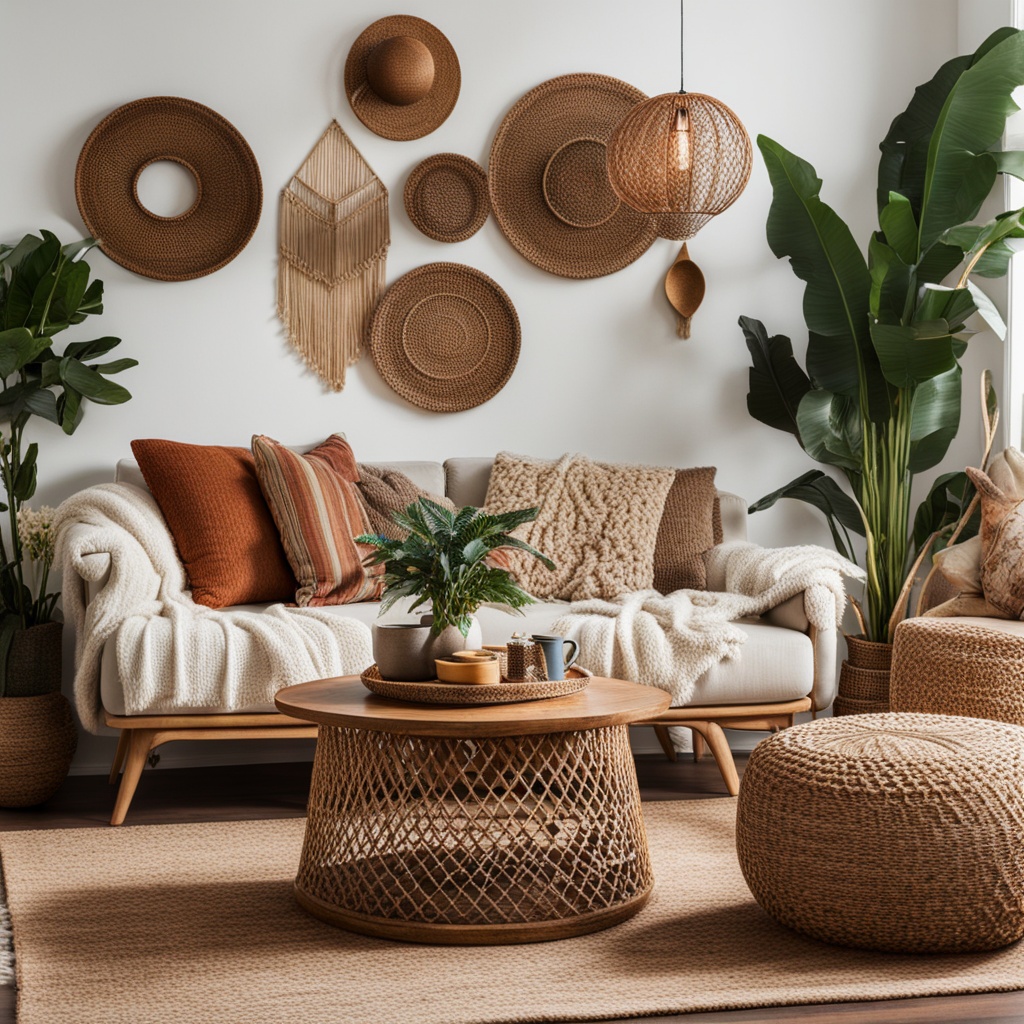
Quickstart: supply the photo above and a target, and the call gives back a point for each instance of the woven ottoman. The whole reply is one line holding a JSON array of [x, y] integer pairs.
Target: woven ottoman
[[896, 832], [972, 667]]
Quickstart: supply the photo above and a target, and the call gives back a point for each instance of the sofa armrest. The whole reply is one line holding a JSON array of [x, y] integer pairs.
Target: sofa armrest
[[791, 614]]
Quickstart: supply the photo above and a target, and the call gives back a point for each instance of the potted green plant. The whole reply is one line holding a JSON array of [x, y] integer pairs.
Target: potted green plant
[[447, 560], [44, 290], [880, 397]]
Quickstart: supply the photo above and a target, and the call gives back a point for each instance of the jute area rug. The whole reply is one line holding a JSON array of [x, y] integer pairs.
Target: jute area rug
[[196, 923]]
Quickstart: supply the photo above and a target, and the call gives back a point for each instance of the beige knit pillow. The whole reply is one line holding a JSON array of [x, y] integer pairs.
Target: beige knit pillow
[[1002, 546]]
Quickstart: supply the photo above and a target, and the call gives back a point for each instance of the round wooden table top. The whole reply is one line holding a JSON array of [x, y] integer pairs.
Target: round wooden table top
[[346, 702]]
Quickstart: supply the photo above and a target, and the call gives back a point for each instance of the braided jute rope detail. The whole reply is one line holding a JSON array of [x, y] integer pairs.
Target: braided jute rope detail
[[947, 667], [900, 832]]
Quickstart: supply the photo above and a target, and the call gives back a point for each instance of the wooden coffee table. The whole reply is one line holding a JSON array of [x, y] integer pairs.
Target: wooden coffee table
[[469, 826]]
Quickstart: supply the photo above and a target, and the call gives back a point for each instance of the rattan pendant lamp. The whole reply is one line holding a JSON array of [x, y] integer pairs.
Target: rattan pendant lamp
[[683, 155]]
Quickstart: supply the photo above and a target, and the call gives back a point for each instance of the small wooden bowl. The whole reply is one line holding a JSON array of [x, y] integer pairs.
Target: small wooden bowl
[[483, 670]]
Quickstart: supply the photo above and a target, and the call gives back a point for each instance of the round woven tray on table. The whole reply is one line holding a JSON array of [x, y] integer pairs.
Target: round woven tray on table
[[473, 695], [229, 191], [549, 185], [445, 337], [446, 197]]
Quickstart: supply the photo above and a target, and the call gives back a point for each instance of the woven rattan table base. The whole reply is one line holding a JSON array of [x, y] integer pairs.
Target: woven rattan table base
[[471, 842]]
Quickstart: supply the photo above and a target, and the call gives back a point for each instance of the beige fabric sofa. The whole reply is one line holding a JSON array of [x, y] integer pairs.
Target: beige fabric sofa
[[785, 667]]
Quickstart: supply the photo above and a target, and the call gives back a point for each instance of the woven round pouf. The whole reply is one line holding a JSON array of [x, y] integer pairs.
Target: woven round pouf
[[898, 832], [950, 667]]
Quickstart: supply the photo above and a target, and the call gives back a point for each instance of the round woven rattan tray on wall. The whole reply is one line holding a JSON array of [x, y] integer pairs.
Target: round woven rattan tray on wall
[[229, 192], [445, 337], [471, 695], [549, 184], [446, 197]]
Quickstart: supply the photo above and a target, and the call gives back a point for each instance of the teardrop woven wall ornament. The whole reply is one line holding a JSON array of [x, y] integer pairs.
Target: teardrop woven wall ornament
[[334, 243]]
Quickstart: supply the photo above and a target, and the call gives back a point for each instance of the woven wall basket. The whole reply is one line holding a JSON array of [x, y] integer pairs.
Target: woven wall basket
[[445, 337], [446, 197], [229, 192], [549, 183], [402, 77]]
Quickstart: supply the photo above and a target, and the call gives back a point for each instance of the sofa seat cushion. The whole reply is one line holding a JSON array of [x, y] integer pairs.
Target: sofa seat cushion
[[775, 664]]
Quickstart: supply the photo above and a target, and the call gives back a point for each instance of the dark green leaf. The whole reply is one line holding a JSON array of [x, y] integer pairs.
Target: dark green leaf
[[830, 428], [824, 494], [17, 346], [959, 173], [115, 367], [777, 383], [952, 305], [947, 500], [25, 481], [42, 403], [69, 409], [897, 222], [913, 353], [935, 419], [939, 261], [91, 385], [83, 350], [891, 280]]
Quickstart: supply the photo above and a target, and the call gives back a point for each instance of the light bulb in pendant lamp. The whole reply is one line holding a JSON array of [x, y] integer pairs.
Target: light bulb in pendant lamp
[[683, 155]]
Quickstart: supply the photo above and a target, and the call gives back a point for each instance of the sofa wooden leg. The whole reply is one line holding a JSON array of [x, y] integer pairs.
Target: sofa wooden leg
[[698, 745], [661, 731], [122, 749], [140, 743], [712, 732]]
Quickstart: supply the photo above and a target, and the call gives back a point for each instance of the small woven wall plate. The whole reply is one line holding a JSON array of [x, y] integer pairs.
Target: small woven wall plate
[[445, 337], [229, 191], [446, 197], [475, 695], [401, 75], [549, 183]]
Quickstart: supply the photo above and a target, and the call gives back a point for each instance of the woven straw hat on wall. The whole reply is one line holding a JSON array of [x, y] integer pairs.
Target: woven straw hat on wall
[[402, 77]]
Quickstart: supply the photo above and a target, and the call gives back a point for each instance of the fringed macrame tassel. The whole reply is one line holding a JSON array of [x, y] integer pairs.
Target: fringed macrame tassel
[[333, 251]]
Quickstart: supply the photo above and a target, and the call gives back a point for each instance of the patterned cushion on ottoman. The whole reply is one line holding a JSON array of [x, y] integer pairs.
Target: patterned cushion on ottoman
[[900, 832]]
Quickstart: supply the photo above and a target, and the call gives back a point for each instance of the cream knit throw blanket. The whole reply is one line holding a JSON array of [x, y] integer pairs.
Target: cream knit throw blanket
[[671, 640], [173, 654]]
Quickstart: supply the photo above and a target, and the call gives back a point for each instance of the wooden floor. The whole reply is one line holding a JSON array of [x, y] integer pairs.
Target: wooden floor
[[280, 790]]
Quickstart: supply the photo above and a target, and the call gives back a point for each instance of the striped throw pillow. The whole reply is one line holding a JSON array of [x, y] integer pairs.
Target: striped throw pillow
[[316, 507]]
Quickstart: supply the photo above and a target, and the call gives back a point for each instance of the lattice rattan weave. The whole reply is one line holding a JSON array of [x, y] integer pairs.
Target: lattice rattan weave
[[540, 836]]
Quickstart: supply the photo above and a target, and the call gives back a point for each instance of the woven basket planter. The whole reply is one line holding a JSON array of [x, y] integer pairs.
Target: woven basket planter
[[35, 660], [864, 678], [37, 741]]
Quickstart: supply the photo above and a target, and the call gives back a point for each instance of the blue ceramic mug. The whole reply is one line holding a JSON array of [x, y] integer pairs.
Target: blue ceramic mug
[[555, 660]]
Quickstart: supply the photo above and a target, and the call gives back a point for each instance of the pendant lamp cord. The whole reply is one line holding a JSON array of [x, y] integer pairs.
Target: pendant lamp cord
[[681, 89]]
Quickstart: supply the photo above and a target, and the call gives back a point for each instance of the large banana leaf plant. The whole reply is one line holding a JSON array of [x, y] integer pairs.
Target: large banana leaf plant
[[44, 289], [880, 397]]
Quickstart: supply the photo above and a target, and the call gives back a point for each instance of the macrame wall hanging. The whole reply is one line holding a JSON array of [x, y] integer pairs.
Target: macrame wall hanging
[[334, 245]]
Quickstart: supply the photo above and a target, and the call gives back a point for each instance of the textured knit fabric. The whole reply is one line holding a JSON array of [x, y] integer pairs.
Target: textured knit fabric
[[598, 523], [690, 525], [172, 653], [384, 491], [1002, 546], [315, 503], [221, 525], [670, 641]]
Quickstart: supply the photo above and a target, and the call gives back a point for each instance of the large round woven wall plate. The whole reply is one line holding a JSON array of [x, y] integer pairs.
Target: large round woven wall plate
[[445, 337], [229, 191], [549, 183], [446, 197], [422, 63]]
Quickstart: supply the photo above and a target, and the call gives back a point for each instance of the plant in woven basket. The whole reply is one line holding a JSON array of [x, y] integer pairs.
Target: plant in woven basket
[[445, 561], [44, 289], [880, 399]]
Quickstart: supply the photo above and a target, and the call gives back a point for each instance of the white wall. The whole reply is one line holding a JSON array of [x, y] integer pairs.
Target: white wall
[[601, 370]]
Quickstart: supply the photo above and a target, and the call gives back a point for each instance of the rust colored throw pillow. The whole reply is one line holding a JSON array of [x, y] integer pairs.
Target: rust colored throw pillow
[[220, 523], [315, 503], [690, 524]]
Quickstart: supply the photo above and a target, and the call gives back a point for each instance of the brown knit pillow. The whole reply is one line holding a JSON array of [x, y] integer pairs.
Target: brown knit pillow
[[220, 523], [690, 524], [314, 501], [384, 491]]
